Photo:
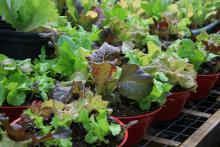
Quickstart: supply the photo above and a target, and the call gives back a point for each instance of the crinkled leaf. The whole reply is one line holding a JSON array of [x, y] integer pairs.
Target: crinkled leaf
[[105, 53], [177, 71], [53, 104], [61, 93], [134, 83], [26, 66], [189, 50], [127, 46], [158, 95], [96, 102], [102, 76], [142, 59]]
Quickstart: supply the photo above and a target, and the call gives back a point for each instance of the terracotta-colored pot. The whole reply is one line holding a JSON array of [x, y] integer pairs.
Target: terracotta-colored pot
[[205, 84], [13, 112], [116, 119], [137, 131], [173, 106]]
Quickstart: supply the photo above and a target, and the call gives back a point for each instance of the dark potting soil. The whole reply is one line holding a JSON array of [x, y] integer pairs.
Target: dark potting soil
[[79, 138], [128, 108], [177, 89], [210, 67]]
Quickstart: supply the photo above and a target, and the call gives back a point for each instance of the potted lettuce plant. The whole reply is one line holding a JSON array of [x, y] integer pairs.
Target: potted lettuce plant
[[20, 86], [202, 14], [22, 136], [181, 75], [212, 43], [166, 68], [166, 23], [87, 117], [26, 17], [133, 93], [202, 61]]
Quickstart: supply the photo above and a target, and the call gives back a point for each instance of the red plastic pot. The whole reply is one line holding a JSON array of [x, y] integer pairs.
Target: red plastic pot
[[116, 119], [205, 84], [126, 132], [217, 83], [137, 131], [13, 112], [173, 106]]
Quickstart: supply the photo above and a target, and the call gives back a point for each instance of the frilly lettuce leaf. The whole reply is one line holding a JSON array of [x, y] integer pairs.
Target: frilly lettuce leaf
[[174, 70], [158, 95]]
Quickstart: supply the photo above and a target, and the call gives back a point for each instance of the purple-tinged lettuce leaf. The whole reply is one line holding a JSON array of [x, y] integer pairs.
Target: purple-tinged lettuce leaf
[[134, 82], [102, 77], [105, 53]]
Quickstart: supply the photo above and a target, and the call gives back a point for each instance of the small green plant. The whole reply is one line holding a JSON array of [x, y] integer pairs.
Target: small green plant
[[18, 79]]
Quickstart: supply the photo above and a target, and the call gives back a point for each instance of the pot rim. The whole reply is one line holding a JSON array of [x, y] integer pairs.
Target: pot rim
[[125, 138], [13, 107], [208, 75], [141, 115], [181, 91]]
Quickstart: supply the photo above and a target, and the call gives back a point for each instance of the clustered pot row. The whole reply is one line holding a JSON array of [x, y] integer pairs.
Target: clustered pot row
[[82, 73]]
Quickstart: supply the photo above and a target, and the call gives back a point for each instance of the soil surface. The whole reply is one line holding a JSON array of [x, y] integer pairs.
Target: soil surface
[[129, 108], [210, 67], [177, 89]]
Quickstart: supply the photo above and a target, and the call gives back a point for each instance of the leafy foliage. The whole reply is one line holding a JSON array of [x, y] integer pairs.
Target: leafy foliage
[[154, 8], [17, 134], [27, 15], [98, 126], [158, 95], [174, 70], [134, 83], [140, 58], [198, 11], [80, 37], [14, 83], [211, 41], [187, 49], [105, 53], [73, 59], [17, 79]]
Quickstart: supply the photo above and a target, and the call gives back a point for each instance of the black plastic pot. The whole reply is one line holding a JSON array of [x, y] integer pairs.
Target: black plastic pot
[[22, 45], [5, 26]]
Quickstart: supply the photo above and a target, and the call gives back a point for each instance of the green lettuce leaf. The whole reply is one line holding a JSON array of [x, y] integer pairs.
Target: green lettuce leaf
[[158, 95], [175, 71], [27, 15]]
